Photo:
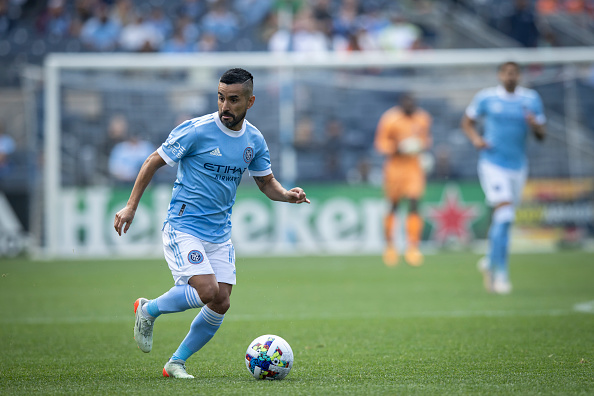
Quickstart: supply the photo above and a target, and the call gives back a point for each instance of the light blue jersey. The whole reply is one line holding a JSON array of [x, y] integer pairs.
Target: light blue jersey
[[506, 128], [212, 160]]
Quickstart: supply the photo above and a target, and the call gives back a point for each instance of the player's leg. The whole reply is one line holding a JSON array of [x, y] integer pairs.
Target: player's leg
[[185, 255], [210, 318], [390, 256], [202, 329], [499, 233], [498, 185], [414, 188], [501, 221], [393, 178], [414, 229]]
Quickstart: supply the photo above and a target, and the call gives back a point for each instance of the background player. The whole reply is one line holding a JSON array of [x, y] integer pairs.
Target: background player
[[402, 133], [213, 152], [509, 113]]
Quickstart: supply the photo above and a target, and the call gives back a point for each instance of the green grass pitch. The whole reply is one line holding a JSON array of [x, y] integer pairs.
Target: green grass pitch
[[355, 326]]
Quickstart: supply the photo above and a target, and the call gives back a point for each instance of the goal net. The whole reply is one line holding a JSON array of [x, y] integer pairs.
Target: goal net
[[318, 114]]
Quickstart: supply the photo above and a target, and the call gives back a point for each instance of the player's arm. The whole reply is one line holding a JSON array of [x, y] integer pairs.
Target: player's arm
[[539, 130], [469, 127], [145, 175], [426, 135], [276, 192], [383, 143], [536, 118]]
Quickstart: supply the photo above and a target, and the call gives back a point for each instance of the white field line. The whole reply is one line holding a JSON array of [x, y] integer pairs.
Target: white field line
[[587, 307]]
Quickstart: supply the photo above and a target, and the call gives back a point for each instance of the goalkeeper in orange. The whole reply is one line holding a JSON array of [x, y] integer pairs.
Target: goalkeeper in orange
[[403, 133]]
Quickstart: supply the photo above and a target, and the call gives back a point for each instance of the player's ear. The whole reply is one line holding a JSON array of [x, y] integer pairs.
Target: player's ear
[[251, 101]]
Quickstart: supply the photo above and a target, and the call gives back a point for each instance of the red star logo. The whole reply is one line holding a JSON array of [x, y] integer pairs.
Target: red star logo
[[451, 218]]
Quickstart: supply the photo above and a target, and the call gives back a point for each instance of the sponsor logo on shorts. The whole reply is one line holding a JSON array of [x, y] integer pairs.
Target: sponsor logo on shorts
[[248, 154], [195, 257]]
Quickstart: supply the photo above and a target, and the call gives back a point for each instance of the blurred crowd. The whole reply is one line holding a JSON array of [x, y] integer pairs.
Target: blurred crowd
[[221, 25], [214, 25]]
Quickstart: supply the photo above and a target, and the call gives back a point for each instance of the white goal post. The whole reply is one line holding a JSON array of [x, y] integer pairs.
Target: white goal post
[[285, 66]]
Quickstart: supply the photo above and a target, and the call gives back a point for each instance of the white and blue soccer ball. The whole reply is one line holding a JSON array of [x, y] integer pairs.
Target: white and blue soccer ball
[[269, 357]]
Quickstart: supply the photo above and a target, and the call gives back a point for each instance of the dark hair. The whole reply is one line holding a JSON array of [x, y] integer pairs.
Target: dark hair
[[509, 63], [236, 76]]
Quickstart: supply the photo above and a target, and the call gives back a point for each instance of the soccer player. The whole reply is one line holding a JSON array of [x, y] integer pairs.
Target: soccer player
[[510, 112], [402, 134], [212, 153]]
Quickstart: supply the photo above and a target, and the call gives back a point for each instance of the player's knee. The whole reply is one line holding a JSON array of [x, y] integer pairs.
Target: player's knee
[[208, 292], [222, 307]]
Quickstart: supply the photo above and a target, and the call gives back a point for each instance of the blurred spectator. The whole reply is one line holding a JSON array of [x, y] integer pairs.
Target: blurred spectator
[[7, 148], [304, 135], [268, 27], [344, 21], [194, 9], [100, 33], [7, 19], [399, 34], [161, 22], [117, 131], [221, 22], [443, 169], [252, 12], [177, 43], [373, 21], [127, 157], [523, 24], [188, 28], [361, 40], [84, 9], [547, 7], [280, 41], [308, 37], [207, 43], [140, 36], [54, 22], [322, 13], [123, 12]]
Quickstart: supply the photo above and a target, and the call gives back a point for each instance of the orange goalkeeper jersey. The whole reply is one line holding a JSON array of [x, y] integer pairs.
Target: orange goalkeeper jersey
[[404, 176]]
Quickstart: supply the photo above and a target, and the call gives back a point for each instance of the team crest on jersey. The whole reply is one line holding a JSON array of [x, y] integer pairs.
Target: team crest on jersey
[[195, 257], [248, 154]]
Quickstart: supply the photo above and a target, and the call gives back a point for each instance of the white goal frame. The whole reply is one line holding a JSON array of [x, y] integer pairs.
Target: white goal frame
[[285, 63]]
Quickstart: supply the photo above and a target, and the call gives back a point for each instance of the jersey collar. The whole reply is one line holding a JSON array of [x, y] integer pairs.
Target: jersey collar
[[503, 94], [227, 131]]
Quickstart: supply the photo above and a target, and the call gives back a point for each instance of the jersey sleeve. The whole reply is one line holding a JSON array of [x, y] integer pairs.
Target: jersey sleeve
[[539, 115], [179, 143], [260, 165], [477, 108], [383, 143]]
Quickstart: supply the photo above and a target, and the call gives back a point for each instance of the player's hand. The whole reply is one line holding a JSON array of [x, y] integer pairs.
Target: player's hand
[[296, 195], [531, 120], [538, 129], [123, 217], [479, 143]]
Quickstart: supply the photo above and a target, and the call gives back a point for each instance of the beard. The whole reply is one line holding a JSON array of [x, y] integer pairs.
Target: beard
[[234, 119], [510, 85]]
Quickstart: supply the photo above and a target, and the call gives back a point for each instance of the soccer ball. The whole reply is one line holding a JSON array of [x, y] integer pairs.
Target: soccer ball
[[269, 357]]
